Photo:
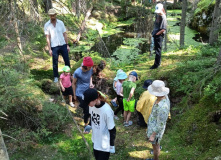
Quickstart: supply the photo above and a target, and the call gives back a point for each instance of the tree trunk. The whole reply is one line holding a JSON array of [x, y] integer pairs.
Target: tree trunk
[[183, 23], [82, 28], [214, 29], [3, 150], [218, 62], [16, 28], [165, 37], [47, 4], [78, 8], [174, 3], [34, 9]]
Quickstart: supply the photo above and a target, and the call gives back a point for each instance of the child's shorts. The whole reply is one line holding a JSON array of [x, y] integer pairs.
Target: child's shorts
[[68, 91], [129, 106]]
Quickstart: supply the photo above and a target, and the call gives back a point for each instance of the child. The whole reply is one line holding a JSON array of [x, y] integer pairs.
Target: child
[[113, 101], [128, 88], [65, 82], [102, 123], [121, 78]]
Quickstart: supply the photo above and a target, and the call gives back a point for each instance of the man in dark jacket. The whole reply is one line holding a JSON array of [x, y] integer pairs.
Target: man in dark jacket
[[160, 26]]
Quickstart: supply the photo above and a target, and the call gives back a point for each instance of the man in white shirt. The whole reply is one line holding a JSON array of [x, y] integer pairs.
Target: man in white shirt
[[57, 41]]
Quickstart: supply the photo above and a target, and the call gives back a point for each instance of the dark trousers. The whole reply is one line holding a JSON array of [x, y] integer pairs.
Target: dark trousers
[[101, 155], [85, 110], [121, 106], [158, 46], [55, 54], [141, 120]]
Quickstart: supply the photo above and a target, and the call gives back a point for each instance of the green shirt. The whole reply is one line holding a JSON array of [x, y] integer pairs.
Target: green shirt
[[127, 86]]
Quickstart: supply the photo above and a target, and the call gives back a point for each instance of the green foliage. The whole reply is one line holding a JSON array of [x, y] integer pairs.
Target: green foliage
[[213, 89], [134, 41], [92, 34], [3, 40], [203, 5], [71, 22], [25, 104], [124, 55], [128, 53], [36, 35], [209, 51]]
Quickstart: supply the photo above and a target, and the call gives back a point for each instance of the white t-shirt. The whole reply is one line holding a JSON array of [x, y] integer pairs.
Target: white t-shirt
[[102, 120], [56, 33]]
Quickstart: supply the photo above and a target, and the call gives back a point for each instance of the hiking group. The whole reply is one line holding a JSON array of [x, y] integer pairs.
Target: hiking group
[[153, 106]]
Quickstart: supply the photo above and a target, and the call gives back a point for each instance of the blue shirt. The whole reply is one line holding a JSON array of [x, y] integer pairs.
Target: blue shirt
[[83, 80]]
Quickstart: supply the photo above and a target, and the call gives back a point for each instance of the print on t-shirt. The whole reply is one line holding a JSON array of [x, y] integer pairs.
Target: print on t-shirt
[[96, 118]]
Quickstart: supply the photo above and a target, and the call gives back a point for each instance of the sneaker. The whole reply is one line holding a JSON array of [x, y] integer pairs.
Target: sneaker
[[130, 123], [55, 79], [112, 149], [114, 103], [115, 117], [154, 67], [71, 104], [126, 124], [87, 129]]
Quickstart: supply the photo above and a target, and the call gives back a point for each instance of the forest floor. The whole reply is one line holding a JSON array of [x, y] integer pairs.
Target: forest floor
[[131, 142]]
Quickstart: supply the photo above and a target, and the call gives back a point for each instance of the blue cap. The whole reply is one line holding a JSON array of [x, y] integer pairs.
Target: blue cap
[[133, 73], [147, 83]]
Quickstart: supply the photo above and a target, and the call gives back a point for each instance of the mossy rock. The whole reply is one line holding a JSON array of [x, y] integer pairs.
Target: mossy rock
[[48, 86]]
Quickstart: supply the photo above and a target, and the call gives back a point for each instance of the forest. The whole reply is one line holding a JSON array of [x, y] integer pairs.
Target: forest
[[37, 123]]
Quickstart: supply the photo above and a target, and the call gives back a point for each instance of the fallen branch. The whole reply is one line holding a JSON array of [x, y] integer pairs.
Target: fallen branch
[[82, 27]]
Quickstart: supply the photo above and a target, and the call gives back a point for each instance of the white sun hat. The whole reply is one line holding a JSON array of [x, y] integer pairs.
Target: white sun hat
[[157, 88], [52, 11], [159, 8]]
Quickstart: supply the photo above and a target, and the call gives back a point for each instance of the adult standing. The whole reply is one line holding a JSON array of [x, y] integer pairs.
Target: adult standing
[[158, 117], [160, 26], [81, 82], [57, 41]]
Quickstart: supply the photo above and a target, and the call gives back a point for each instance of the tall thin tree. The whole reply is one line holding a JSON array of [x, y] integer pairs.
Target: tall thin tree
[[218, 62], [214, 29], [165, 38], [183, 23]]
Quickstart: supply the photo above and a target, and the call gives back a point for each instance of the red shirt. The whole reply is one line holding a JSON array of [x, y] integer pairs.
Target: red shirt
[[65, 80]]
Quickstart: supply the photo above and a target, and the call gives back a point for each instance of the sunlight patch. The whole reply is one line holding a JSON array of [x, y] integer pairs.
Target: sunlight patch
[[139, 154], [175, 37]]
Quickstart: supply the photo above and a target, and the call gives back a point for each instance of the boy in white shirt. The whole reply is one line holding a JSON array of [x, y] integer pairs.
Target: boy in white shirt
[[102, 123]]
